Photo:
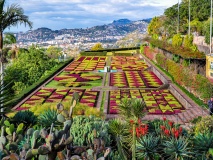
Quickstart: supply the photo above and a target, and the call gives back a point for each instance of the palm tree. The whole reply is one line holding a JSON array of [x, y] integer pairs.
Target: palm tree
[[9, 38], [10, 16]]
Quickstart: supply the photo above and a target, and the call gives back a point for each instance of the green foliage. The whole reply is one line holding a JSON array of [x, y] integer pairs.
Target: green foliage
[[161, 59], [83, 127], [97, 46], [119, 130], [205, 125], [177, 40], [53, 52], [148, 146], [142, 49], [132, 108], [176, 58], [47, 118], [26, 117], [12, 15], [177, 148], [188, 41], [154, 26], [43, 79], [202, 143], [93, 53], [28, 69], [9, 38]]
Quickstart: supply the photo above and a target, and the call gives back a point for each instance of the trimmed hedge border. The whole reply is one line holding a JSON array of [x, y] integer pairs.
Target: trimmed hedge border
[[115, 49], [122, 54], [96, 53], [40, 82]]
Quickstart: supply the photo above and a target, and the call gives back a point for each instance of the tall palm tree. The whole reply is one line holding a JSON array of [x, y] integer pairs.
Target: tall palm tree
[[10, 16]]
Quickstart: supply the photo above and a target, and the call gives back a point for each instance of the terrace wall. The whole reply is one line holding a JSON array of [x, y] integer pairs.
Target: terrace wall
[[199, 65], [181, 97]]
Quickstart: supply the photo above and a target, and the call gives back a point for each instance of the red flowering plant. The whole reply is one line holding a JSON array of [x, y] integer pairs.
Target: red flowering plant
[[167, 129], [141, 129]]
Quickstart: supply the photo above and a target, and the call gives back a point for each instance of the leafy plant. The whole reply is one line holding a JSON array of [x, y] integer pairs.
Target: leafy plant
[[202, 143], [204, 125], [119, 130], [27, 117], [175, 149], [47, 118], [177, 40], [148, 146]]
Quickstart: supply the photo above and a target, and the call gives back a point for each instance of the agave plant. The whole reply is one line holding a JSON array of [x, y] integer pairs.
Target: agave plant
[[147, 147], [176, 149], [202, 143], [27, 117], [47, 118]]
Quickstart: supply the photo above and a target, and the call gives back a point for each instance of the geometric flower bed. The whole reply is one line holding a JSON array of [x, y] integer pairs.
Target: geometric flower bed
[[150, 79], [157, 101], [85, 63], [75, 80], [135, 79], [118, 79], [46, 95], [127, 63]]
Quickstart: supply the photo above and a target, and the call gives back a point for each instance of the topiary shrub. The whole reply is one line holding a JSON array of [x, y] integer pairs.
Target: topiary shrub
[[177, 40]]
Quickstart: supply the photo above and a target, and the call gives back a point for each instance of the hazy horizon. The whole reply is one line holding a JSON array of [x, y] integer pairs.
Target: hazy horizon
[[71, 14]]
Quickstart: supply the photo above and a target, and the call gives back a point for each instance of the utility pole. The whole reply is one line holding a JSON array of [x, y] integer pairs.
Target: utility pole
[[210, 45], [178, 17], [189, 17]]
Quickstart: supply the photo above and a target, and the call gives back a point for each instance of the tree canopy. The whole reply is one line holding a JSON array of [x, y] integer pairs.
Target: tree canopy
[[97, 46]]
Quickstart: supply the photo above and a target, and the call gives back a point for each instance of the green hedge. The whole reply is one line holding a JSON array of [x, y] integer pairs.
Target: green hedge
[[114, 49], [41, 81], [104, 53], [122, 54]]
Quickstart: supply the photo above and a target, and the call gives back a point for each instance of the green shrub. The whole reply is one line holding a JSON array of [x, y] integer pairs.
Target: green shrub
[[204, 125], [177, 40], [188, 41]]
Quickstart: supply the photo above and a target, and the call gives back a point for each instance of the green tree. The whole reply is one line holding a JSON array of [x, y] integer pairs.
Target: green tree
[[53, 52], [11, 16], [28, 68], [154, 26], [97, 46]]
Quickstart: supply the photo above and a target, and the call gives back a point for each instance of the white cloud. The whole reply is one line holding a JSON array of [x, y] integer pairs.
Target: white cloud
[[57, 14]]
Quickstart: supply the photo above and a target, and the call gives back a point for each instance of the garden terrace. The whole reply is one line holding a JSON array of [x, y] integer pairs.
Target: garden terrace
[[105, 91]]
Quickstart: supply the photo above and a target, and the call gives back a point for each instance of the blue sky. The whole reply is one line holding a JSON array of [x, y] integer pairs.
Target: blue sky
[[59, 14]]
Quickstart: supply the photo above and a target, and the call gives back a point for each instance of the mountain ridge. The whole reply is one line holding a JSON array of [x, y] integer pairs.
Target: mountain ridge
[[117, 28]]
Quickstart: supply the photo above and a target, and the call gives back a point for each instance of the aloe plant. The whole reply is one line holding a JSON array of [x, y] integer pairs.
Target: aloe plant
[[176, 149], [147, 147]]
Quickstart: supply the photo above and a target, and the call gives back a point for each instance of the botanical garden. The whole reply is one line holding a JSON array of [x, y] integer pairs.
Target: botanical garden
[[138, 103]]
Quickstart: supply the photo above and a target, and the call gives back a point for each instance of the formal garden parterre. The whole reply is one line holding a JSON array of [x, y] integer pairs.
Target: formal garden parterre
[[131, 80]]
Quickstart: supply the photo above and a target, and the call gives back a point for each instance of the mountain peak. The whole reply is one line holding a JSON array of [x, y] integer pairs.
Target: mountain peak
[[121, 22]]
